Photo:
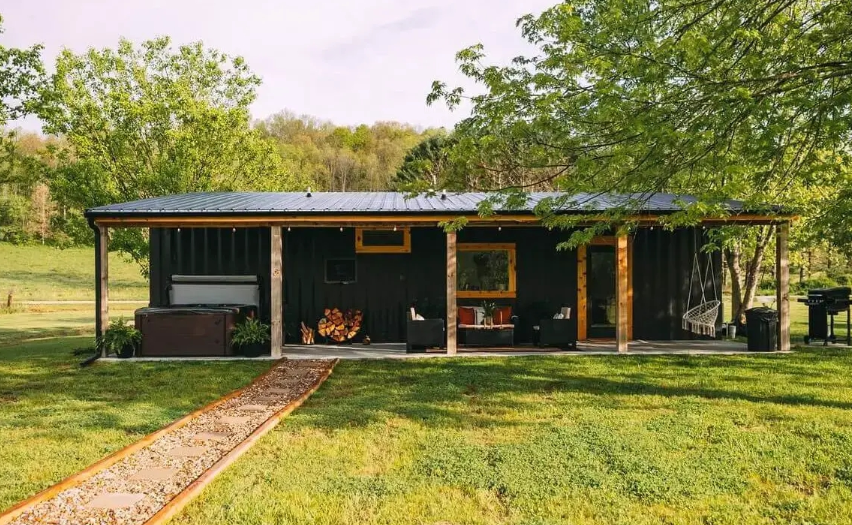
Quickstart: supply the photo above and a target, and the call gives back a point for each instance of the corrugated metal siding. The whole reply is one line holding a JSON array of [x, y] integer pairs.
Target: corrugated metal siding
[[662, 268], [209, 251], [388, 283], [364, 202]]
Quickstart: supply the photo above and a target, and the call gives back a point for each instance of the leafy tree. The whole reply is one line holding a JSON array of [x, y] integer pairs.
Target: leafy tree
[[716, 98], [21, 74], [340, 158], [424, 165], [155, 120]]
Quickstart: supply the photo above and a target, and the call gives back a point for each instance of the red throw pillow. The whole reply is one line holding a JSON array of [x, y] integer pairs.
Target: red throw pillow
[[503, 315], [467, 315]]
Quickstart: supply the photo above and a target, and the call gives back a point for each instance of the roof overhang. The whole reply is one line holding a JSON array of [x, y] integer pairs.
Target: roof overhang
[[212, 220]]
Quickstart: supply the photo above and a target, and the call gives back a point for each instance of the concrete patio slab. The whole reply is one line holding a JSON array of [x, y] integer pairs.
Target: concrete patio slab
[[397, 350]]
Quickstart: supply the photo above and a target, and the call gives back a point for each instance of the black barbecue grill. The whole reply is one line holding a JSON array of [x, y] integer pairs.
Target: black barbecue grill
[[823, 305]]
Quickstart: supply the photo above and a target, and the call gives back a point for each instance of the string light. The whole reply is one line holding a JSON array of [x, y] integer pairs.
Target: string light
[[341, 228], [394, 227], [499, 228], [288, 228]]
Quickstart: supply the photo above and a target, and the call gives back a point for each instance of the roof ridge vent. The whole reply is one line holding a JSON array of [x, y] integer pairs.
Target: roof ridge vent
[[309, 192], [443, 194]]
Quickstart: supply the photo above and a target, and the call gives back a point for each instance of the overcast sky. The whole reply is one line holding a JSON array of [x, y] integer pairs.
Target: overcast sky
[[349, 61]]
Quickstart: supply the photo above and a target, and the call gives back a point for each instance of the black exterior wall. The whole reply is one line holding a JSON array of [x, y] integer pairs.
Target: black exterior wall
[[387, 284], [209, 251], [662, 269]]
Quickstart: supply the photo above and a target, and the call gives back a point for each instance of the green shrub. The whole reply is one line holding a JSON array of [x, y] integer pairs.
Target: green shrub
[[119, 335], [843, 279], [810, 284], [251, 331]]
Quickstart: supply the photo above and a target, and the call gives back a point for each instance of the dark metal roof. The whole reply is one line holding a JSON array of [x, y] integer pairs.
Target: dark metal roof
[[390, 203]]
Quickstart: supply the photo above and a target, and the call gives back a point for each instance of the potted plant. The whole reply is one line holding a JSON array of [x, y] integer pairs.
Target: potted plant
[[488, 309], [121, 339], [250, 337]]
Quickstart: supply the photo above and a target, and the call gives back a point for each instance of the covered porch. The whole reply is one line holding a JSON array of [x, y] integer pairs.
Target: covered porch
[[276, 237], [587, 348]]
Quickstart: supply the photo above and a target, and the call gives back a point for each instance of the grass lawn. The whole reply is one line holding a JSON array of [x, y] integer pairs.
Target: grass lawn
[[57, 418], [44, 321], [43, 273], [754, 439]]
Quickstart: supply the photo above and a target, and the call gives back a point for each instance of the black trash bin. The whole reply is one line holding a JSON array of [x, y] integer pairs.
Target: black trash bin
[[762, 329]]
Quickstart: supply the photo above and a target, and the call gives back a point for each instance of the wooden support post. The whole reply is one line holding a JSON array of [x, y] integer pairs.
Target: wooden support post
[[102, 284], [622, 320], [630, 288], [276, 303], [581, 294], [782, 287], [452, 307]]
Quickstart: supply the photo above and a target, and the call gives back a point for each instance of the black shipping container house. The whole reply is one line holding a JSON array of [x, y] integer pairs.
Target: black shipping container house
[[382, 253]]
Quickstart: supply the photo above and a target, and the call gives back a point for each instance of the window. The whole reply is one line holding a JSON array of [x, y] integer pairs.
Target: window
[[340, 271], [382, 240], [486, 270]]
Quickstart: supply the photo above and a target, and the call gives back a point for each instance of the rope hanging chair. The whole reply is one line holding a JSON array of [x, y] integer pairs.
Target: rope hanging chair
[[701, 319]]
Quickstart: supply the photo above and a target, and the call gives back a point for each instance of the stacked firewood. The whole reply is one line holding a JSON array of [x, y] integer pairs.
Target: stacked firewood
[[307, 335], [340, 326]]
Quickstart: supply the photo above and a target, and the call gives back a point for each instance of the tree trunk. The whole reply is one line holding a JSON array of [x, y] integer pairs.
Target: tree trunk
[[732, 258], [744, 287]]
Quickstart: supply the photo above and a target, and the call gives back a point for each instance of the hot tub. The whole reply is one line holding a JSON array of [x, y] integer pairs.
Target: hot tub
[[200, 318], [175, 331]]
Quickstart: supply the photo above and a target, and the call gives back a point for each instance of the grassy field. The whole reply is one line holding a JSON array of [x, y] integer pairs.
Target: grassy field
[[45, 321], [42, 273], [798, 319], [755, 439], [57, 418]]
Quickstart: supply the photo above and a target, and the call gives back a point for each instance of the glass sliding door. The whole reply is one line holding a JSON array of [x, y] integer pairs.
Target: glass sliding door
[[601, 295]]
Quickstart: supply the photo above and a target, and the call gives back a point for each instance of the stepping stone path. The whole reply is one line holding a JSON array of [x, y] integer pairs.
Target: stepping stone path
[[115, 500], [211, 436], [154, 474], [186, 452], [139, 485]]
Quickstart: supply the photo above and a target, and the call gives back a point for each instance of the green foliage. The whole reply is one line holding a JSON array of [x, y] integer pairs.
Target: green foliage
[[249, 332], [120, 335], [424, 166], [339, 158], [488, 308], [801, 288], [21, 75], [720, 99], [14, 214], [155, 120]]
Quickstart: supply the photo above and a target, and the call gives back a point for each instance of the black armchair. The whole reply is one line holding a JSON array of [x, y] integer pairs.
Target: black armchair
[[559, 333], [423, 334]]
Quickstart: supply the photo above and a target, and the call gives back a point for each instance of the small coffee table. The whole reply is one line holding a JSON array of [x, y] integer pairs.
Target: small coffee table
[[488, 335]]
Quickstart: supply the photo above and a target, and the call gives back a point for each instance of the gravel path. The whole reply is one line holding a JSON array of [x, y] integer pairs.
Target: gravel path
[[138, 486]]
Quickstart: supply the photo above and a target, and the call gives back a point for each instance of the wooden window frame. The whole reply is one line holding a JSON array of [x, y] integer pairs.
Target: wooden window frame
[[405, 248], [512, 291]]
